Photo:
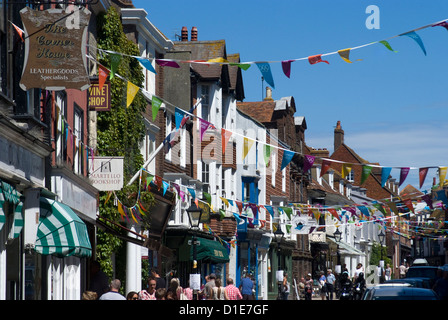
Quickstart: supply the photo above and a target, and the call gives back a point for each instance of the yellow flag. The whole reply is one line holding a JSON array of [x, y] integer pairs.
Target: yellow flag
[[225, 201], [247, 145], [344, 54], [442, 174], [131, 92], [218, 60], [346, 168]]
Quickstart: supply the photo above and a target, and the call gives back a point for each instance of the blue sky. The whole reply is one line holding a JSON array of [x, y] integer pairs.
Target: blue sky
[[393, 106]]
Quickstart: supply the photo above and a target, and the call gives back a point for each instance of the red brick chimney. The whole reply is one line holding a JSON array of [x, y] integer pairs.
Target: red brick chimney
[[194, 34], [184, 34], [338, 136]]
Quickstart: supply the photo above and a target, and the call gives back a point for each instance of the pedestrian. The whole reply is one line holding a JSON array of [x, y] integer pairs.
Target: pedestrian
[[402, 269], [160, 282], [175, 288], [302, 288], [331, 279], [161, 294], [246, 287], [388, 272], [89, 295], [218, 290], [359, 269], [308, 287], [132, 295], [113, 293], [231, 292], [208, 288], [99, 281], [150, 293], [285, 287], [322, 285], [188, 292]]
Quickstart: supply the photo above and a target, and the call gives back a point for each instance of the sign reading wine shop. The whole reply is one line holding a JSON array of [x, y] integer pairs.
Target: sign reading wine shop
[[55, 48]]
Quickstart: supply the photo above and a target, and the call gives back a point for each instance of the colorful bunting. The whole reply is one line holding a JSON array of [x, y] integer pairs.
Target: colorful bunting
[[203, 126], [403, 174], [287, 157], [316, 59], [417, 39], [387, 45], [18, 30], [103, 73], [246, 146], [132, 90], [442, 174], [365, 173], [422, 172], [115, 59], [385, 172], [225, 137], [325, 167], [267, 150], [156, 103], [147, 64], [307, 163], [286, 66], [346, 169], [265, 70], [344, 54], [167, 63]]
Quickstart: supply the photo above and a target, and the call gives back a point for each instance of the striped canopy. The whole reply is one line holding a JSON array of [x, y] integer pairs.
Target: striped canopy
[[61, 232], [2, 212]]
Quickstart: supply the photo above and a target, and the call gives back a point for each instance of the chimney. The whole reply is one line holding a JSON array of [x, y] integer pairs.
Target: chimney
[[338, 136], [184, 34], [268, 94], [194, 34]]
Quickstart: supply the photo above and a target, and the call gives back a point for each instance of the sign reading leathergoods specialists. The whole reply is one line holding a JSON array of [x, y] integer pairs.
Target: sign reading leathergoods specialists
[[55, 48]]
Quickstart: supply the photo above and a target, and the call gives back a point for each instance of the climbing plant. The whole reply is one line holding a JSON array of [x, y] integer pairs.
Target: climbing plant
[[120, 132]]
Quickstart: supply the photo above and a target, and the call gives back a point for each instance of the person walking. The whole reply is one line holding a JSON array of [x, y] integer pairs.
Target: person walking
[[285, 287], [322, 284], [331, 279], [149, 294], [208, 288], [246, 287], [218, 290], [231, 292], [113, 293], [160, 282], [308, 287]]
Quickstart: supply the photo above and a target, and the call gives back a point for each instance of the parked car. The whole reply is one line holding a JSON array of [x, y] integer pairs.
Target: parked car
[[430, 272], [399, 291], [414, 282], [420, 262]]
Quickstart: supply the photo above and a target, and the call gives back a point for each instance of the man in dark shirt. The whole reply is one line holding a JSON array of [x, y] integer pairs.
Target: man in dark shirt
[[160, 282]]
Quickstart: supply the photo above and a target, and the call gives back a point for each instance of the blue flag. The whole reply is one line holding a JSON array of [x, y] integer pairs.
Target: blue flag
[[192, 192], [385, 172], [179, 114], [417, 39], [265, 70], [147, 64], [287, 157]]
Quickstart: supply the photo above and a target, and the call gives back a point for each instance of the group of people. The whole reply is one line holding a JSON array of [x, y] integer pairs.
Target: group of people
[[102, 289]]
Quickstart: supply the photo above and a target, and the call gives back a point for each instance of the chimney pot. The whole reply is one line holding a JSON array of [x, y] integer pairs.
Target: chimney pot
[[338, 136], [184, 34], [268, 94], [194, 34]]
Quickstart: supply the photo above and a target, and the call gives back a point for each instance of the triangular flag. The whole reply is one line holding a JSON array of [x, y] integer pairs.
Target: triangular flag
[[422, 172], [325, 167], [226, 202], [246, 146], [167, 63], [192, 192], [131, 92], [442, 174], [385, 172], [387, 45], [179, 117], [207, 197], [442, 24], [365, 173], [287, 157], [218, 60], [316, 59], [165, 186], [270, 210], [265, 70], [288, 211], [403, 174], [286, 66], [243, 66], [115, 59], [156, 103], [239, 204], [225, 137], [203, 126], [334, 213], [346, 169], [307, 163], [267, 150], [147, 64], [103, 73], [18, 30], [417, 39], [344, 54]]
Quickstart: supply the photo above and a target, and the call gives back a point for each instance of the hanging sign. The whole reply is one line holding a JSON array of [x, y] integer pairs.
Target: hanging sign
[[106, 173], [55, 48], [99, 96]]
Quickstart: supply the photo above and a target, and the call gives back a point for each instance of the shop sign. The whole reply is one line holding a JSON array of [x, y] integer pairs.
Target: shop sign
[[106, 173], [55, 48], [99, 97]]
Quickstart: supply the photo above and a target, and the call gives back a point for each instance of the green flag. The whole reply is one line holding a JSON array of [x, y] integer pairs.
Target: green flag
[[207, 197], [365, 173], [267, 153], [115, 59], [156, 103]]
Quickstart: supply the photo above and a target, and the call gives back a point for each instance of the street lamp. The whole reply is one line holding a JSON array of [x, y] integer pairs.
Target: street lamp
[[278, 235], [194, 215], [337, 237]]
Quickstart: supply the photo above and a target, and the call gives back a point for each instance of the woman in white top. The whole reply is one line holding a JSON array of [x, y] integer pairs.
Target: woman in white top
[[218, 290], [359, 269]]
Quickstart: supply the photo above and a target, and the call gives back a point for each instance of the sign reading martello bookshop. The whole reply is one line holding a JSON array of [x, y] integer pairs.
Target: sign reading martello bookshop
[[55, 49]]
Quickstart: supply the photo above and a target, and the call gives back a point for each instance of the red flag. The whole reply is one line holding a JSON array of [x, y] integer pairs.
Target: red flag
[[325, 166], [19, 31], [225, 136], [422, 175], [316, 59], [103, 73]]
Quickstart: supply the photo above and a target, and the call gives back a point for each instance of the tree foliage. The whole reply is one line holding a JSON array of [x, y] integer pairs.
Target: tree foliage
[[120, 132]]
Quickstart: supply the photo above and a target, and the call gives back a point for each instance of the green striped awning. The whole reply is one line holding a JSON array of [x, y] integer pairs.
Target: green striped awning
[[18, 220], [61, 232]]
